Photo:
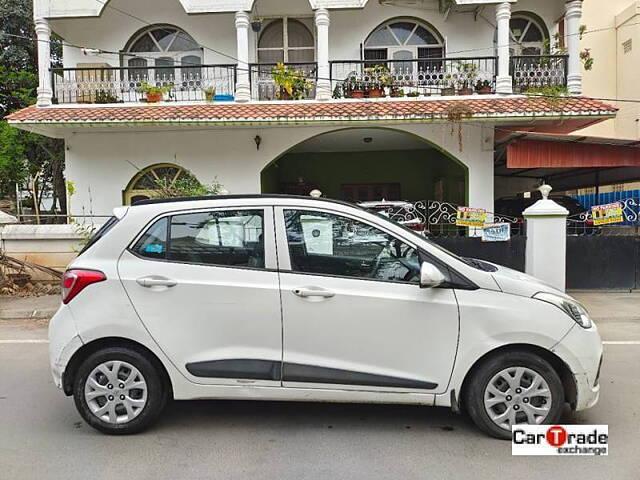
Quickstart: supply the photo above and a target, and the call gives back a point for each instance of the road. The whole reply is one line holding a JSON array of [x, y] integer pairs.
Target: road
[[42, 436]]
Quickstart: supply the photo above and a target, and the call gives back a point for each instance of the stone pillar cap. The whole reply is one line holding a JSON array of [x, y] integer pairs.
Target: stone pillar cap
[[545, 207]]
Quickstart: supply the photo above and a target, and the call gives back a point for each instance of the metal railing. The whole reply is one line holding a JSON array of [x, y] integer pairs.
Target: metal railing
[[125, 84], [534, 71], [417, 77], [264, 87]]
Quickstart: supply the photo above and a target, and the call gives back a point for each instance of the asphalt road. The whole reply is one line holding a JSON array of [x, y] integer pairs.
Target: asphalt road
[[42, 436]]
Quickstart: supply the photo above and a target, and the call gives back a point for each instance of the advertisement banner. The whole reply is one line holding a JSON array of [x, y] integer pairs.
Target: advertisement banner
[[607, 214], [470, 217], [496, 232]]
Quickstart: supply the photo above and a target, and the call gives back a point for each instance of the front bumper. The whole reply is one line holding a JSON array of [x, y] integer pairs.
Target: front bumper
[[581, 350]]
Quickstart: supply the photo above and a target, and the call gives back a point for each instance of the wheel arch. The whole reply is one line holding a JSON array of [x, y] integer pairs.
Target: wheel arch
[[560, 367], [87, 349]]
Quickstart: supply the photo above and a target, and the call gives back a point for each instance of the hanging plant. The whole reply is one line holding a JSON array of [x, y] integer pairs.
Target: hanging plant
[[456, 113]]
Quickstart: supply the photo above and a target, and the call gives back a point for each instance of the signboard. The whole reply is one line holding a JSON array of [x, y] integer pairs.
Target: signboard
[[496, 232], [318, 234], [470, 217], [606, 214]]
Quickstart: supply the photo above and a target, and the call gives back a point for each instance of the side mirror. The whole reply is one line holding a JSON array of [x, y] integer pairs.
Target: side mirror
[[430, 276]]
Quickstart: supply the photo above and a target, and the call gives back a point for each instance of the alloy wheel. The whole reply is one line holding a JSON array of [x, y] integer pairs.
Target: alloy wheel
[[517, 395], [115, 392]]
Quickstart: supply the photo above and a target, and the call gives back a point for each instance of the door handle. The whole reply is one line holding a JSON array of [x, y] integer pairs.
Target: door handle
[[155, 281], [305, 292]]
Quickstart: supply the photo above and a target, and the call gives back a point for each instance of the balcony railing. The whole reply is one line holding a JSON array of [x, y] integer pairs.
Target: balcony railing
[[297, 81], [412, 78], [300, 77], [534, 71], [125, 84]]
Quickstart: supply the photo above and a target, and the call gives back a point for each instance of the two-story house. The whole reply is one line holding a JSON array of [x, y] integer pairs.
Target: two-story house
[[394, 99]]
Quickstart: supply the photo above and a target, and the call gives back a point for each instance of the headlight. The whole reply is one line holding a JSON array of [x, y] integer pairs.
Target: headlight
[[572, 308]]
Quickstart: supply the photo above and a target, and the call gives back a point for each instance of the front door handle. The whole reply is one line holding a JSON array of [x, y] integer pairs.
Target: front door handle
[[156, 281], [305, 292]]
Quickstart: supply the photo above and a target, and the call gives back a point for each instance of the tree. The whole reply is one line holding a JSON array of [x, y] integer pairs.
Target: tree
[[24, 154]]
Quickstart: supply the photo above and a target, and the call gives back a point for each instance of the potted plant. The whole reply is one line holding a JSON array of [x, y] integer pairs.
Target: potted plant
[[483, 87], [468, 73], [353, 87], [449, 86], [104, 96], [414, 94], [292, 83], [378, 78], [153, 93], [396, 92], [256, 25], [210, 93]]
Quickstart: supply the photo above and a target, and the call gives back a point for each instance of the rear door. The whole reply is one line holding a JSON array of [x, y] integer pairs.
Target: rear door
[[204, 284]]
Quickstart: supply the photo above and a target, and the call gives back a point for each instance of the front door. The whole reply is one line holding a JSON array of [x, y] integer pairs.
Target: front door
[[205, 286], [354, 316]]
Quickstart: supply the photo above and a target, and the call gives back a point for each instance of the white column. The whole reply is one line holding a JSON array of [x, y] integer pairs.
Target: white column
[[43, 34], [572, 17], [546, 255], [323, 87], [503, 16], [243, 88]]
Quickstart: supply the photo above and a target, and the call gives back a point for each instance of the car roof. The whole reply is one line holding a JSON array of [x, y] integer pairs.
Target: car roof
[[259, 196]]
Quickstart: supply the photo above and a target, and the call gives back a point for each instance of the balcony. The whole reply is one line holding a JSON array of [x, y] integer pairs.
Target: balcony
[[355, 79]]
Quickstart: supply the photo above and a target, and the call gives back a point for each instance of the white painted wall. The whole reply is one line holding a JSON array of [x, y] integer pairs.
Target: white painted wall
[[465, 34], [98, 163]]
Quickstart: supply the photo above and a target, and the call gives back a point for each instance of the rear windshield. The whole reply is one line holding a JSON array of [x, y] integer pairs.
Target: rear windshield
[[102, 231]]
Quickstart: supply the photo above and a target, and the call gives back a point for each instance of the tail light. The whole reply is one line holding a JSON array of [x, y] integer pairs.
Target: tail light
[[75, 280]]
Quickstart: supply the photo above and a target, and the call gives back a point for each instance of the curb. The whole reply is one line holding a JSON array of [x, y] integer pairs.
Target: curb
[[27, 314]]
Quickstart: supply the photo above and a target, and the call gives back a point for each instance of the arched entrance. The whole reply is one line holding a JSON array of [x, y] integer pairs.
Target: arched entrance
[[147, 182], [368, 164]]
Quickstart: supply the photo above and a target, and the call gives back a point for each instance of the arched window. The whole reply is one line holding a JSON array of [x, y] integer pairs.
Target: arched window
[[528, 35], [146, 183], [162, 53], [286, 40], [403, 39]]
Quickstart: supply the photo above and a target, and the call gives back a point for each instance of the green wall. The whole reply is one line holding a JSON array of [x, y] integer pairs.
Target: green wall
[[416, 171]]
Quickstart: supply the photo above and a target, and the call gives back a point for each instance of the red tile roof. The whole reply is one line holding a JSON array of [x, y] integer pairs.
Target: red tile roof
[[303, 111]]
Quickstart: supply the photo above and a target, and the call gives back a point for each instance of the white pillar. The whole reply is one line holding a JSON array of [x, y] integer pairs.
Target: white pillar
[[43, 34], [504, 83], [323, 87], [572, 17], [243, 88], [546, 255]]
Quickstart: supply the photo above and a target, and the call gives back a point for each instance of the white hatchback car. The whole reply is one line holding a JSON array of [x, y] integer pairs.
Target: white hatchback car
[[296, 298]]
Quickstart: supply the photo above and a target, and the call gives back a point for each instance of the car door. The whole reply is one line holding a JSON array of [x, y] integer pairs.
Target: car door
[[354, 315], [204, 284]]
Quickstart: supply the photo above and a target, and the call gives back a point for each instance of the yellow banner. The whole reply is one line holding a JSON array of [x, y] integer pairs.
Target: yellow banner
[[471, 217], [606, 214]]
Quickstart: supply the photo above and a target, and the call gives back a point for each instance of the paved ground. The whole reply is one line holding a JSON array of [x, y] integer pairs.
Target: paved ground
[[42, 436]]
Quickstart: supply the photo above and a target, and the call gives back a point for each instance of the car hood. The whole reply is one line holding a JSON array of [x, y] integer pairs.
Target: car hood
[[518, 283]]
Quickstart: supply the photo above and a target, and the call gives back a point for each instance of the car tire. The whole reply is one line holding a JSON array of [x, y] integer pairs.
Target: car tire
[[119, 391], [513, 388]]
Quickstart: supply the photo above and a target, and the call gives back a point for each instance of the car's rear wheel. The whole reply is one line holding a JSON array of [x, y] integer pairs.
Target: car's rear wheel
[[119, 391], [511, 389]]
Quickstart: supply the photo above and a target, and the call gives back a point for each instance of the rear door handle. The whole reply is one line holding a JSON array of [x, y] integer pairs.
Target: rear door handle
[[156, 281], [305, 292]]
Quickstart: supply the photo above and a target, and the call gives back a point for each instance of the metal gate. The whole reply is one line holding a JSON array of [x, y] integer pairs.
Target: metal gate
[[604, 257]]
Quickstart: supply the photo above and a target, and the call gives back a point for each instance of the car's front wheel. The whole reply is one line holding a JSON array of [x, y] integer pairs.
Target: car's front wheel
[[511, 389], [119, 391]]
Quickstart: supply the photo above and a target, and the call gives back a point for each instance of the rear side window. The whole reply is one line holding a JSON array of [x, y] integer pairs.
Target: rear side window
[[226, 238], [153, 244], [102, 231]]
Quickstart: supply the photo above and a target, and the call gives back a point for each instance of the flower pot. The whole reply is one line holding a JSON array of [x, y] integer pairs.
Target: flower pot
[[256, 26], [210, 96], [154, 97], [485, 91], [376, 93], [465, 91], [446, 92], [356, 94]]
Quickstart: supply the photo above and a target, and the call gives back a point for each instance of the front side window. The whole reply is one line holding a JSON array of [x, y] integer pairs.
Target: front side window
[[223, 238], [327, 244]]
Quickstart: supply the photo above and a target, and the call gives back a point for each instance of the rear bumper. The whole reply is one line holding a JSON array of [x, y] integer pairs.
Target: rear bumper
[[64, 341]]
